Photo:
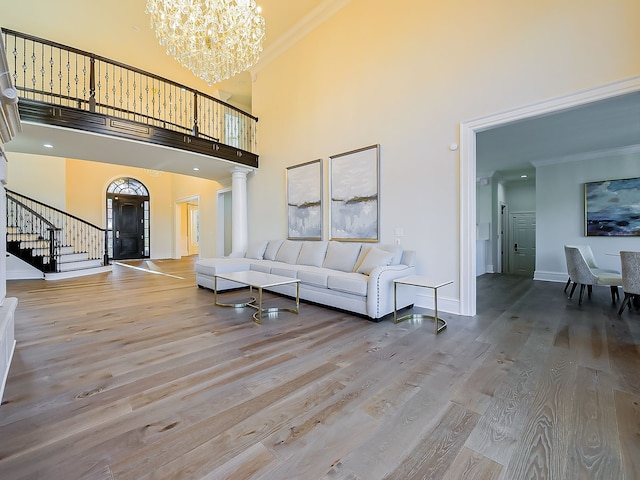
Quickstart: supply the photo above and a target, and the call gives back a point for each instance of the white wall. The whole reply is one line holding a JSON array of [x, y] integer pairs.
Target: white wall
[[560, 213], [406, 78], [40, 177], [521, 196]]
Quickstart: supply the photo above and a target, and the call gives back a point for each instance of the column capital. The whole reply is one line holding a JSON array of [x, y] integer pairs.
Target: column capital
[[240, 172]]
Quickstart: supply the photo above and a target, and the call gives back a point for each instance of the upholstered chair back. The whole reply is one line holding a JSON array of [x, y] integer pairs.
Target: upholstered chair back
[[630, 272], [579, 270]]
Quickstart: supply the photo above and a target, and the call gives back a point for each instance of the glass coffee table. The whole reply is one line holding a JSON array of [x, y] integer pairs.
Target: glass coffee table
[[423, 282], [259, 281]]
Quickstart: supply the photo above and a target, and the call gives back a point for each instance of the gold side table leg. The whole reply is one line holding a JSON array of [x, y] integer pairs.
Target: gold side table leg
[[395, 303], [436, 319]]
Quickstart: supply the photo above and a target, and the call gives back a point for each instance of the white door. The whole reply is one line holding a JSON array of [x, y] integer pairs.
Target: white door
[[523, 243], [193, 229]]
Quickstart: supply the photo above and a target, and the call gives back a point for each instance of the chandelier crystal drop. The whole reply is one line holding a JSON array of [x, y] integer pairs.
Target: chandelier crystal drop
[[215, 39]]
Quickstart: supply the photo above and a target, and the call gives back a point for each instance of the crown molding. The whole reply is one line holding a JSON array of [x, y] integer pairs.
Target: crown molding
[[579, 157], [310, 21]]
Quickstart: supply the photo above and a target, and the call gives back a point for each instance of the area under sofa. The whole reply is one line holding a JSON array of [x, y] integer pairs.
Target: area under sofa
[[348, 276]]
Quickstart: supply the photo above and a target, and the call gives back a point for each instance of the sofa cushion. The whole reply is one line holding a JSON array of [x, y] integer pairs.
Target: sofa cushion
[[315, 276], [375, 257], [341, 256], [395, 249], [213, 266], [272, 249], [312, 253], [256, 250], [288, 252], [285, 272], [354, 283]]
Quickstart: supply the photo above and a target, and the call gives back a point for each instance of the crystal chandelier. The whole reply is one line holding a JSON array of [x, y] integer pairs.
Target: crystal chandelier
[[215, 39]]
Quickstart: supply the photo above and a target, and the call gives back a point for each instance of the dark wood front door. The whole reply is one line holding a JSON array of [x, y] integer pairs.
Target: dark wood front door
[[128, 227]]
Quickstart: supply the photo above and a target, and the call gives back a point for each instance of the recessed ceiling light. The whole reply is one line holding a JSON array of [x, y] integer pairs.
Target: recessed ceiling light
[[523, 176], [196, 169], [47, 145]]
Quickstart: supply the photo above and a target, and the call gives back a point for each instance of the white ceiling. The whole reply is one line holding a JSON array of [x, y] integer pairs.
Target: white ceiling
[[514, 149]]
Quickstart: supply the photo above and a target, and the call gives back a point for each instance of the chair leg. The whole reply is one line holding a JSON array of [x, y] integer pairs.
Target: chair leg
[[567, 285], [614, 293], [589, 291], [573, 289], [625, 302], [581, 293]]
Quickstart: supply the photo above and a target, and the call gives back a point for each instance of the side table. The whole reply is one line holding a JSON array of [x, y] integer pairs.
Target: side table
[[423, 282]]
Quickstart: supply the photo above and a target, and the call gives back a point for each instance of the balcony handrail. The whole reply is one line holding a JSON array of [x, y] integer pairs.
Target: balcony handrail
[[34, 38], [47, 73]]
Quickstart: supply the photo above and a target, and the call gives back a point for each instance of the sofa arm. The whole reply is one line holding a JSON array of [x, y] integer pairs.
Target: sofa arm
[[380, 290]]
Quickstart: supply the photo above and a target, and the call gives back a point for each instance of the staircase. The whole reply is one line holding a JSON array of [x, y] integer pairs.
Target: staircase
[[54, 242]]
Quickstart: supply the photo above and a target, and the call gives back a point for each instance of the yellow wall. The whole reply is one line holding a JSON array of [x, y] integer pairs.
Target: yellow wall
[[405, 75], [79, 187]]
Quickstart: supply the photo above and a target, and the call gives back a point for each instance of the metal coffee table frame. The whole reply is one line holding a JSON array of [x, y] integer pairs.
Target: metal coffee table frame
[[259, 281]]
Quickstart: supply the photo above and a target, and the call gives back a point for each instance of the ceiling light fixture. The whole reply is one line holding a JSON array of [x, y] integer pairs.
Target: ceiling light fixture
[[47, 145], [215, 39]]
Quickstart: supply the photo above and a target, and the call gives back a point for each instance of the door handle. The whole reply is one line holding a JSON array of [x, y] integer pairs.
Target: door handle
[[515, 247], [117, 233]]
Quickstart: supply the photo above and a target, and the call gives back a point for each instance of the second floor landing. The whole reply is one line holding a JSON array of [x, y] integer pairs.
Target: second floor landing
[[79, 105]]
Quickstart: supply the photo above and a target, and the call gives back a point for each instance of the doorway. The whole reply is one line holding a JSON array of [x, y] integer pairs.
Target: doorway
[[187, 231], [128, 219], [468, 131]]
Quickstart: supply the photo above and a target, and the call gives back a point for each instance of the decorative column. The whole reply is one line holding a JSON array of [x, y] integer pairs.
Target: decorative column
[[239, 222]]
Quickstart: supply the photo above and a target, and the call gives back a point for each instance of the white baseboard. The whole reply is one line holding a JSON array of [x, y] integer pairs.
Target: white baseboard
[[445, 304], [560, 277]]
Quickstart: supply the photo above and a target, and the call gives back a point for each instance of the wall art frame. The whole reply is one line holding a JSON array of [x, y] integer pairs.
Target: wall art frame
[[304, 197], [612, 208], [354, 181]]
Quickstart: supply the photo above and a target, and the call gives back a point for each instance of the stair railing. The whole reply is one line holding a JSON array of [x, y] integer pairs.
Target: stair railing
[[34, 238], [25, 213]]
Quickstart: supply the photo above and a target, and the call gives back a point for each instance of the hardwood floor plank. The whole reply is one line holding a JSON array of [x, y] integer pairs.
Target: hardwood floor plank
[[595, 452], [501, 425], [436, 451], [543, 444], [469, 465], [628, 415], [133, 375]]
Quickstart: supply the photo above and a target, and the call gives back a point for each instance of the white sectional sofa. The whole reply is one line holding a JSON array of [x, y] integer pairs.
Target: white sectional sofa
[[348, 276]]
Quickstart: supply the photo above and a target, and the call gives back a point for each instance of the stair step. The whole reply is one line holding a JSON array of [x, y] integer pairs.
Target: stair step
[[28, 244], [22, 237], [79, 265], [45, 251]]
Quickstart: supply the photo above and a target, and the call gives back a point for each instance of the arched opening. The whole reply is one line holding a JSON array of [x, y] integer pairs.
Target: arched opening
[[128, 219]]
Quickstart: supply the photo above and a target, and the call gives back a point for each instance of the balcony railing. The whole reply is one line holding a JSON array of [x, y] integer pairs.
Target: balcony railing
[[51, 73]]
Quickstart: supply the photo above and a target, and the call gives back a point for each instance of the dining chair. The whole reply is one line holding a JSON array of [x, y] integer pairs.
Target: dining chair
[[580, 273], [630, 278]]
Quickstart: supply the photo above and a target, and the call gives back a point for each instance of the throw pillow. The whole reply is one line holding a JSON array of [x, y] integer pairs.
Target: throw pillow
[[375, 258], [288, 252], [272, 249], [256, 250], [341, 256], [312, 253]]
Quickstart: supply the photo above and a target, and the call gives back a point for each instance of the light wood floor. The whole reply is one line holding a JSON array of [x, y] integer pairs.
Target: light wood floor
[[133, 375]]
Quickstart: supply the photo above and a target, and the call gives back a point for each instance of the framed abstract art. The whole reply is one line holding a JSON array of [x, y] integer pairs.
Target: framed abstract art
[[612, 208], [354, 195], [304, 201]]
